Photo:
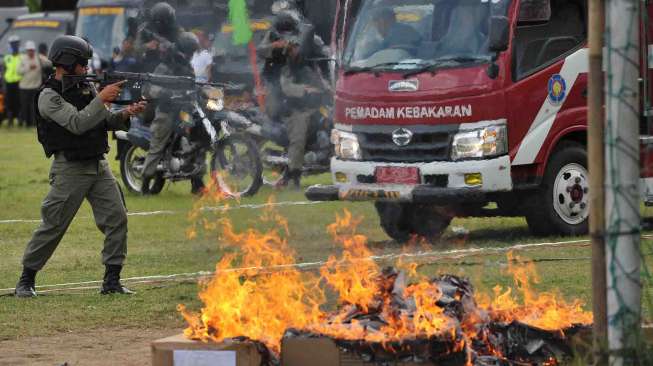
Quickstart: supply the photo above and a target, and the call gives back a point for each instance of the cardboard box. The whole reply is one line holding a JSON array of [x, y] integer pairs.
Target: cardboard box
[[302, 351], [179, 351]]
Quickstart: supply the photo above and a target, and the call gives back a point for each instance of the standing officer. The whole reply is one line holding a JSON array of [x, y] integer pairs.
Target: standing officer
[[72, 125], [156, 37]]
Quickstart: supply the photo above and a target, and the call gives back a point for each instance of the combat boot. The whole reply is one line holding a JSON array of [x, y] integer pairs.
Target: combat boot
[[111, 283], [290, 177], [145, 187], [295, 177], [26, 283], [197, 186]]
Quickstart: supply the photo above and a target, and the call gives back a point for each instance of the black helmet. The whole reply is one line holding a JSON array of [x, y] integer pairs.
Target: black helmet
[[162, 16], [70, 50], [188, 44], [286, 21]]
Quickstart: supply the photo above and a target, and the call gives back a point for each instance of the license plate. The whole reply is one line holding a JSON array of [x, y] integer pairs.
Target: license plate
[[397, 175]]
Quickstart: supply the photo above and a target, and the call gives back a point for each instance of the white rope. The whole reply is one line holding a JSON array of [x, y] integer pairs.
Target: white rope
[[431, 255], [167, 212]]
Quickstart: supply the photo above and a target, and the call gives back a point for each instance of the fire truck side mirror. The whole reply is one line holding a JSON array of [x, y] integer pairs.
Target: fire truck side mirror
[[499, 33]]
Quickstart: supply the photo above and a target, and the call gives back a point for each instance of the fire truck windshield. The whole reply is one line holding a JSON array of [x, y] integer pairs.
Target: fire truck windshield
[[413, 34]]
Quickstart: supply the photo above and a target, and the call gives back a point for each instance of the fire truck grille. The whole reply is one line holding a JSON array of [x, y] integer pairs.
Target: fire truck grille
[[423, 147]]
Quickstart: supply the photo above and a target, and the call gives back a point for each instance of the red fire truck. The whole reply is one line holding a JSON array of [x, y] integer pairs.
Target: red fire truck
[[445, 106]]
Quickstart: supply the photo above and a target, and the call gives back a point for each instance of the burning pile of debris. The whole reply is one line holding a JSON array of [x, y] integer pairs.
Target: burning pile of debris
[[383, 315]]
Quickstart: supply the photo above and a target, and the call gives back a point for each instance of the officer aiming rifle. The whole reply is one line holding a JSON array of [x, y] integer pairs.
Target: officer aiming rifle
[[72, 125]]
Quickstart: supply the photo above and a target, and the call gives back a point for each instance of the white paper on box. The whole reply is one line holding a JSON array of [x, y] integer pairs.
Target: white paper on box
[[203, 358]]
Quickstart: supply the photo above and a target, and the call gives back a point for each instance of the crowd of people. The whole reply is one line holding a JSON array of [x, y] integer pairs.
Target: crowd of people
[[24, 73]]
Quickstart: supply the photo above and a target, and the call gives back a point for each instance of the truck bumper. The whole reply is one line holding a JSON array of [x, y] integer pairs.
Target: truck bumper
[[442, 182]]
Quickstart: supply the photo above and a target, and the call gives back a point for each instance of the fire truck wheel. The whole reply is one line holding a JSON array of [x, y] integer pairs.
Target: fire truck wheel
[[562, 202], [401, 221]]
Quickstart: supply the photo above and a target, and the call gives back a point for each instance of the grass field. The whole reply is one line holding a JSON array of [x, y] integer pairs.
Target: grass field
[[158, 246]]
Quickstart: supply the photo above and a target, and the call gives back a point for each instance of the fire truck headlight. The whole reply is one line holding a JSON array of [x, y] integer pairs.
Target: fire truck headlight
[[346, 145], [480, 143]]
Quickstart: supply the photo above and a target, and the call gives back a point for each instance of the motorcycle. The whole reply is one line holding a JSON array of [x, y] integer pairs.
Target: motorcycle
[[271, 137], [202, 137]]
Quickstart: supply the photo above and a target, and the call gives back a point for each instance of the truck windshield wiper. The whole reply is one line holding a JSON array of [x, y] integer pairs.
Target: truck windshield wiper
[[431, 66], [376, 67]]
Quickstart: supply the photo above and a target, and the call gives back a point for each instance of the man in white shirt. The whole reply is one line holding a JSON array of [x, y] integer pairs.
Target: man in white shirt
[[202, 59], [31, 69]]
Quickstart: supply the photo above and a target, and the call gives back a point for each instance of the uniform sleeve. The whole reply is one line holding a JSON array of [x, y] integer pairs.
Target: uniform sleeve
[[54, 107], [289, 86]]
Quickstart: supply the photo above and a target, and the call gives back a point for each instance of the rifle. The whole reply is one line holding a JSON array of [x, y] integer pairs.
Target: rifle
[[169, 81]]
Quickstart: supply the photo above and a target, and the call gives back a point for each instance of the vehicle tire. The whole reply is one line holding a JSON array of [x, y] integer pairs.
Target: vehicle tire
[[561, 204], [401, 221], [131, 171], [236, 165], [394, 219]]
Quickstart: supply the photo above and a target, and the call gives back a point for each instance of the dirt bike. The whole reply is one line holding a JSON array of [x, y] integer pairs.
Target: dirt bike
[[202, 137]]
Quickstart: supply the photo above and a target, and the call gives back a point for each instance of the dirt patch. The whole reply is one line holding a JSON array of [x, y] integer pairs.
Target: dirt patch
[[94, 347]]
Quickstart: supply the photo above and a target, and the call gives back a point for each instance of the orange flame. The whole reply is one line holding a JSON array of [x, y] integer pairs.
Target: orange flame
[[547, 310], [258, 293]]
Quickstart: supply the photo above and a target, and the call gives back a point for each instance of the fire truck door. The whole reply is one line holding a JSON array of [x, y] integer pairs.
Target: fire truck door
[[549, 71]]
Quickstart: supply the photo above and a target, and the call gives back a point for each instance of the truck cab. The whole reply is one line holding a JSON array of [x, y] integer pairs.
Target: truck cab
[[445, 106]]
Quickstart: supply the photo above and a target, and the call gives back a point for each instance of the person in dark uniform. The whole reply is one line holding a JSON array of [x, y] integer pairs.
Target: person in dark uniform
[[303, 89], [272, 49], [72, 125], [293, 83], [156, 37], [176, 62]]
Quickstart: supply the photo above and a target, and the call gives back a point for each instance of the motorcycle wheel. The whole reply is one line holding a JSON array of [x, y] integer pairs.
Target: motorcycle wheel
[[236, 166], [131, 171]]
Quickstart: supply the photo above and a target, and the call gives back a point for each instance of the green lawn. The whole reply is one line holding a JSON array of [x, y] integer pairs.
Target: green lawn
[[158, 246]]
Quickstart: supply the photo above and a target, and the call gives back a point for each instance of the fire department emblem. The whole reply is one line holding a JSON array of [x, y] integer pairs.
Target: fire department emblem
[[557, 89], [402, 136]]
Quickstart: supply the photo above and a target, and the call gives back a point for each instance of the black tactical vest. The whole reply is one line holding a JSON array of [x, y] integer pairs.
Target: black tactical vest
[[55, 138]]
